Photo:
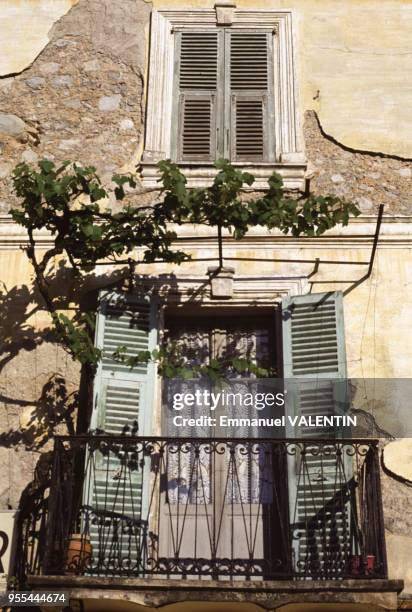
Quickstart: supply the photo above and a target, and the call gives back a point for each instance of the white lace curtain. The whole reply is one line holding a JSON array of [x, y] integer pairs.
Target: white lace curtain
[[246, 474]]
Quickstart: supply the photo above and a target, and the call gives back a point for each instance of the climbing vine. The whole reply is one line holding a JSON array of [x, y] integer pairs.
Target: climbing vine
[[70, 201]]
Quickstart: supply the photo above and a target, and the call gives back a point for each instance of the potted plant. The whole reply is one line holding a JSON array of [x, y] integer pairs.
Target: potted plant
[[79, 553]]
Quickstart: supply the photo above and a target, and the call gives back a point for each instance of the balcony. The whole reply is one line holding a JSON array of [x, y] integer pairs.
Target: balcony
[[217, 509]]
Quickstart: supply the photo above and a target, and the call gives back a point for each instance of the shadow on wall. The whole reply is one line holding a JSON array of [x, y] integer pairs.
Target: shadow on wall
[[55, 408], [39, 421]]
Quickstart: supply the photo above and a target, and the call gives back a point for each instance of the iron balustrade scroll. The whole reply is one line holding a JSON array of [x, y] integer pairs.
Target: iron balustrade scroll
[[211, 508], [31, 533]]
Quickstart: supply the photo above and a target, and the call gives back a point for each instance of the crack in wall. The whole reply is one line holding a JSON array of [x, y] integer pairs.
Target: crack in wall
[[396, 460], [375, 429], [392, 474], [362, 52], [352, 149], [43, 34]]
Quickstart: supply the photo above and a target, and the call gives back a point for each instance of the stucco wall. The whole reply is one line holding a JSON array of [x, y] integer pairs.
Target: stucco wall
[[79, 93], [82, 96], [25, 25], [354, 59], [377, 313]]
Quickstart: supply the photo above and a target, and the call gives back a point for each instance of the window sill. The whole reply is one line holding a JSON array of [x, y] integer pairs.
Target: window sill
[[292, 169]]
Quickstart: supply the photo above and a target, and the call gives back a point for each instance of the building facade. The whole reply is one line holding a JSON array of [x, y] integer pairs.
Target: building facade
[[319, 92]]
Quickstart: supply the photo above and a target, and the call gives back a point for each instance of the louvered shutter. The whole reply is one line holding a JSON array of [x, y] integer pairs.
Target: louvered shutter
[[319, 483], [123, 396], [250, 88], [123, 405], [224, 95], [197, 77]]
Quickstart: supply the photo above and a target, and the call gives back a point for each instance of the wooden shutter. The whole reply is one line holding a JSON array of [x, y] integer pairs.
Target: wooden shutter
[[314, 349], [123, 396], [313, 336], [250, 89], [123, 405], [315, 376], [196, 85], [224, 95]]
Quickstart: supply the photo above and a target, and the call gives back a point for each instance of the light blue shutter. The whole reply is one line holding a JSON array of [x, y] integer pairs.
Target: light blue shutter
[[314, 355], [123, 404], [315, 375], [313, 336], [124, 396]]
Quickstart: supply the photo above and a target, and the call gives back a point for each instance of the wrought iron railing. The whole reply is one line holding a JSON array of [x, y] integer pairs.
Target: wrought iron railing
[[238, 509]]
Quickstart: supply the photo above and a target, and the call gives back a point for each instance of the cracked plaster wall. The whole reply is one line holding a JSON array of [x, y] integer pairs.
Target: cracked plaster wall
[[353, 62], [80, 95], [24, 30], [367, 178]]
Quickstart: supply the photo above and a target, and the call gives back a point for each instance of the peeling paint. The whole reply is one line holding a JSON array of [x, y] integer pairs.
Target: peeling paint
[[397, 459], [24, 25], [357, 150], [355, 60], [352, 66]]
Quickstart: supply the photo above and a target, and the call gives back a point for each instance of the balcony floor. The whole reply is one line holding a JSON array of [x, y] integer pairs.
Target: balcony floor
[[149, 594]]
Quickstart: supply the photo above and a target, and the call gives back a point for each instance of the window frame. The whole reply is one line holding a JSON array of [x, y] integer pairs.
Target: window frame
[[290, 159]]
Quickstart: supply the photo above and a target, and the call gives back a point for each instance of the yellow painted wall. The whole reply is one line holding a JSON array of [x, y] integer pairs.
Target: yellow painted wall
[[24, 25], [354, 61], [377, 312], [354, 66]]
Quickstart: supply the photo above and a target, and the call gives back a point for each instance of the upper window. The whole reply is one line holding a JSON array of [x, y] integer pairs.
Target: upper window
[[223, 95], [222, 84]]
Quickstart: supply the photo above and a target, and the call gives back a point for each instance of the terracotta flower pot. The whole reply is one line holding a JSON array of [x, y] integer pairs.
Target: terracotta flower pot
[[79, 552]]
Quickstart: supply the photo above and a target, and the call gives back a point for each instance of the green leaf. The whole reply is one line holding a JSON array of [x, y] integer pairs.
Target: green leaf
[[46, 165], [85, 235]]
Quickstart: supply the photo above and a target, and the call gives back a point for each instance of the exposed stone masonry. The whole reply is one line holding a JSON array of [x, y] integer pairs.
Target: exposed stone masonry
[[368, 178], [82, 99]]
